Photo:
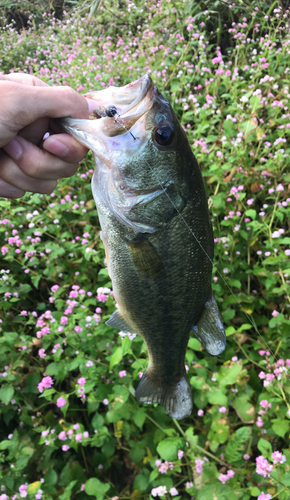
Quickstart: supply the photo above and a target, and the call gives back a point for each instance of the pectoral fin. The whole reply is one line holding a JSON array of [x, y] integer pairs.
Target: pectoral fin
[[117, 321], [145, 258], [209, 330]]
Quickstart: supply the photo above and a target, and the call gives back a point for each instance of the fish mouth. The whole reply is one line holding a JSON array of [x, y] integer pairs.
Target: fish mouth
[[100, 133], [128, 100]]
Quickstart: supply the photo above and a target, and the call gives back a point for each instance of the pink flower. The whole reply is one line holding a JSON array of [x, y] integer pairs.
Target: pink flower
[[259, 422], [180, 454], [219, 154], [105, 401], [63, 320], [102, 297], [81, 381], [54, 288], [246, 456], [62, 436], [46, 383], [89, 364], [264, 496], [65, 447], [277, 457], [122, 373], [78, 329], [79, 437], [223, 478], [262, 375], [263, 467], [158, 463], [265, 404], [41, 353], [200, 413], [76, 427], [60, 402], [198, 465], [222, 409], [173, 491], [275, 313]]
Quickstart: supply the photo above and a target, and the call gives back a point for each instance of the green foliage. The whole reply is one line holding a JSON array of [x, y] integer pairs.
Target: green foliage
[[70, 424]]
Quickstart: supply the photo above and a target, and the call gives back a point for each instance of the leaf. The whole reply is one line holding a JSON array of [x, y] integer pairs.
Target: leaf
[[36, 279], [194, 344], [67, 494], [168, 448], [6, 393], [229, 128], [251, 213], [97, 421], [211, 491], [265, 447], [236, 445], [94, 487], [51, 477], [228, 375], [280, 427], [33, 487], [244, 409], [141, 482], [139, 418], [216, 398], [116, 357], [31, 382]]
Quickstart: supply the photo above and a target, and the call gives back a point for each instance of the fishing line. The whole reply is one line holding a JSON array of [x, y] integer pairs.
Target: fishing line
[[111, 111]]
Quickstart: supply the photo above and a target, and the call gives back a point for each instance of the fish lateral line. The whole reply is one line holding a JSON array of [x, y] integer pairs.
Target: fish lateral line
[[111, 112], [211, 261]]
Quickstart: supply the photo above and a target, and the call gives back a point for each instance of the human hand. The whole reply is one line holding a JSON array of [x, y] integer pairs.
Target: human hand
[[28, 106]]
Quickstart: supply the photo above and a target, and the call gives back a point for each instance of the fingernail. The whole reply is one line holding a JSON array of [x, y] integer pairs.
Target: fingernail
[[92, 105], [55, 147], [14, 149]]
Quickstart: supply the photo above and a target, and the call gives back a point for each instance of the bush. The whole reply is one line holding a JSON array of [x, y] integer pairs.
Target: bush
[[70, 424]]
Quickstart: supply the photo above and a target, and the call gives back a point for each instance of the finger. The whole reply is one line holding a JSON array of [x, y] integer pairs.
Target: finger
[[9, 191], [12, 174], [35, 131], [24, 79], [64, 146], [25, 104], [40, 164]]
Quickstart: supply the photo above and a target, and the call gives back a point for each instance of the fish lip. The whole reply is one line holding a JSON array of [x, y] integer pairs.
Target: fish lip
[[138, 100], [146, 84]]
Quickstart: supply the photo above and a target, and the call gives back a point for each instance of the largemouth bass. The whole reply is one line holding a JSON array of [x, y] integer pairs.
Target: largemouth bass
[[157, 233]]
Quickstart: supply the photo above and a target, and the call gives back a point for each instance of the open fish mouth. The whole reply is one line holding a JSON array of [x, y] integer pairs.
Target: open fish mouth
[[132, 103], [128, 100]]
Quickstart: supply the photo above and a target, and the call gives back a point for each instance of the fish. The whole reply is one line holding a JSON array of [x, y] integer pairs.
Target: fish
[[157, 233]]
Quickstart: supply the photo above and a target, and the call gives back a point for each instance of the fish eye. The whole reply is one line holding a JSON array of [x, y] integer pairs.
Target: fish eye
[[163, 135]]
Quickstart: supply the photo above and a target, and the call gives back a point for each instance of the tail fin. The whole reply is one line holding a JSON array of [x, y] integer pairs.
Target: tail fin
[[175, 397]]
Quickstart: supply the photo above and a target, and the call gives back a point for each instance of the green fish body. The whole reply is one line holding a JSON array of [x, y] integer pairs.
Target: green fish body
[[157, 233]]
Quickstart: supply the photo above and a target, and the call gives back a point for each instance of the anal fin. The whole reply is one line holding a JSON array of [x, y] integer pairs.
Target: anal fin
[[175, 397], [210, 330], [117, 321]]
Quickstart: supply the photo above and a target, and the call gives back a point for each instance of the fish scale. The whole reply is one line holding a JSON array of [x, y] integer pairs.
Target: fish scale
[[148, 193]]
